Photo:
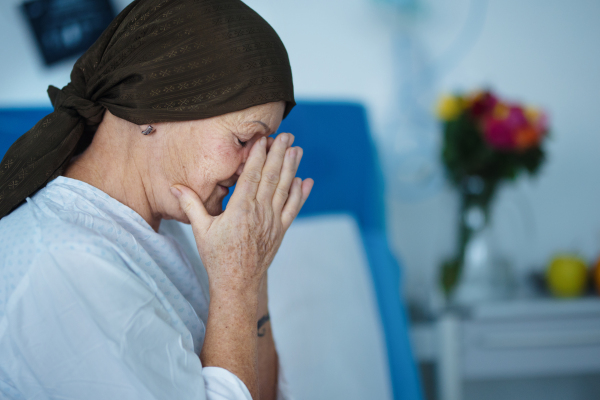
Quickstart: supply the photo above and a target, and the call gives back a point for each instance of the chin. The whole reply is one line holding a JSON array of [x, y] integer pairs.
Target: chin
[[214, 205], [215, 210]]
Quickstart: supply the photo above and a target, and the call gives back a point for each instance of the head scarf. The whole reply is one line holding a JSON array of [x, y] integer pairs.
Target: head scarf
[[158, 61]]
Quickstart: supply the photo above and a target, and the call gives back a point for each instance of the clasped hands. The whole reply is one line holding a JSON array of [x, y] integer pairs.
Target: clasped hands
[[238, 246]]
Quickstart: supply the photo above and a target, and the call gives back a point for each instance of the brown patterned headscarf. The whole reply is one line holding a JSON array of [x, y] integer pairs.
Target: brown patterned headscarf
[[158, 61]]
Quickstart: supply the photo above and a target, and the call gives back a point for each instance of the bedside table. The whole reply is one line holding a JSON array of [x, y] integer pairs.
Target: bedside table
[[542, 347]]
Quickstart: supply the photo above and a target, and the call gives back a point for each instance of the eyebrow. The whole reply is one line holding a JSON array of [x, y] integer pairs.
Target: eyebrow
[[263, 124]]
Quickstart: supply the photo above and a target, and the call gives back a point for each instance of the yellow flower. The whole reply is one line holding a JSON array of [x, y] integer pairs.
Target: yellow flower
[[532, 114], [449, 107]]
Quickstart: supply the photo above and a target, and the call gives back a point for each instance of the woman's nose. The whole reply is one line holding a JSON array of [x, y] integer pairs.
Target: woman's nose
[[240, 169], [245, 156]]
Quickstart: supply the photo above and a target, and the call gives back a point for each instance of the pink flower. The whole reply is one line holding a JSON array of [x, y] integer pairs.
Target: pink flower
[[498, 134], [510, 127], [504, 126], [516, 118]]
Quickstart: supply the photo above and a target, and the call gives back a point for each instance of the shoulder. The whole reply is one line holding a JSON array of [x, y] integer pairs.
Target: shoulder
[[53, 254], [36, 241], [70, 266], [36, 227]]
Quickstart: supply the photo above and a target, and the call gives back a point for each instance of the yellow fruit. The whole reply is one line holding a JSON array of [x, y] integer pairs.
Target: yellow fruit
[[566, 276], [596, 276]]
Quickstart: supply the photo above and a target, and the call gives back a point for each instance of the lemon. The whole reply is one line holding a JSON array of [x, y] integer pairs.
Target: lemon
[[567, 276]]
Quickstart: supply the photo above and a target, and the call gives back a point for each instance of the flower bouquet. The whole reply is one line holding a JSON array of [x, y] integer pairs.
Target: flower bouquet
[[486, 141]]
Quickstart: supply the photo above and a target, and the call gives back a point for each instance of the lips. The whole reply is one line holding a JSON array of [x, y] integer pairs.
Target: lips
[[224, 188], [229, 182]]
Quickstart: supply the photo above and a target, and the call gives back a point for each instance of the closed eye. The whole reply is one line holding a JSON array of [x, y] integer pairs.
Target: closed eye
[[243, 144]]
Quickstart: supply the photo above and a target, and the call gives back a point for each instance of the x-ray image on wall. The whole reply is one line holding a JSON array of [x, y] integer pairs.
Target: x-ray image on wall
[[65, 28]]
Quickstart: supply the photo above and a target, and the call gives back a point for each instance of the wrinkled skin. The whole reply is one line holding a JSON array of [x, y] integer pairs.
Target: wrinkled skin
[[182, 171], [237, 248], [238, 245]]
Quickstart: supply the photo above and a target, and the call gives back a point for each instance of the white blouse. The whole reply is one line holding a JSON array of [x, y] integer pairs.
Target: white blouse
[[95, 305]]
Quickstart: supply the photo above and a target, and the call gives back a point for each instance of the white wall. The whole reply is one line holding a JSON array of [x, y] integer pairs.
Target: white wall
[[23, 77], [540, 51]]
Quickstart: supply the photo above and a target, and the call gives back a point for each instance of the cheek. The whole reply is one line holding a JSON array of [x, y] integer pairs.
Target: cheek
[[225, 161]]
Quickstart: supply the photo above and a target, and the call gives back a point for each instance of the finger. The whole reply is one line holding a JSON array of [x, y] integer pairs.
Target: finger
[[271, 172], [288, 172], [270, 141], [307, 186], [247, 184], [292, 206], [292, 138], [194, 209], [298, 194]]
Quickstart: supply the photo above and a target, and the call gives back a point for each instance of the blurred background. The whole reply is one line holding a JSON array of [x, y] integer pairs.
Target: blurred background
[[397, 57]]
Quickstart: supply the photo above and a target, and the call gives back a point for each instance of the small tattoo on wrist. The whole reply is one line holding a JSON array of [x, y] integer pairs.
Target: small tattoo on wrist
[[261, 323]]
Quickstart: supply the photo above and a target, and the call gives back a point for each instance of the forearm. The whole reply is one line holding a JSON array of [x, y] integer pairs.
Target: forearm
[[267, 355], [231, 243], [239, 338], [231, 337]]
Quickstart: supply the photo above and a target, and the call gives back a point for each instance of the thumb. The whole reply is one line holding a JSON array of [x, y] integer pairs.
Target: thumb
[[193, 207]]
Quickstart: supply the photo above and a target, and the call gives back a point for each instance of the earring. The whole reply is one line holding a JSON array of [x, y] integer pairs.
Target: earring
[[148, 130]]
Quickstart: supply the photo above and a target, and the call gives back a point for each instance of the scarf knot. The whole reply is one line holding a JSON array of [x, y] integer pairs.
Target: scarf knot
[[70, 100]]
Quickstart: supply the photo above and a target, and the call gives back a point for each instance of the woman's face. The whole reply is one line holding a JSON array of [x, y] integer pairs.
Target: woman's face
[[208, 155]]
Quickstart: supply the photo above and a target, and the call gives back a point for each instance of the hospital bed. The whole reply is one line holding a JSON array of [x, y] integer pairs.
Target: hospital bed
[[337, 310]]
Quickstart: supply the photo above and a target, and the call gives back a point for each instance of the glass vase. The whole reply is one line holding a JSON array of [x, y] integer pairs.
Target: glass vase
[[485, 274], [477, 272]]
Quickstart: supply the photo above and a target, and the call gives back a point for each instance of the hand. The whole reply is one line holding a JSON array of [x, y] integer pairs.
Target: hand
[[238, 246]]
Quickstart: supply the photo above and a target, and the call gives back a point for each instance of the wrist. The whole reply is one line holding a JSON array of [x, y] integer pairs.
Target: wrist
[[235, 290], [245, 301], [263, 298]]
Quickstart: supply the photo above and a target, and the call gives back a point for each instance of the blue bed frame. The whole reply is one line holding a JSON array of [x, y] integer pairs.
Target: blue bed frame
[[340, 156]]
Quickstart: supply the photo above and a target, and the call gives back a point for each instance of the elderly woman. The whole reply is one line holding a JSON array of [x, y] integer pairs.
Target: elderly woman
[[171, 107]]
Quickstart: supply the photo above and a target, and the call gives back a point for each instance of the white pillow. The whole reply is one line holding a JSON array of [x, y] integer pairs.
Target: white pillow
[[324, 313]]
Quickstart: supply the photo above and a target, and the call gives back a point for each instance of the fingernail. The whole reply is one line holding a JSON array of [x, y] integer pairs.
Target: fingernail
[[176, 192], [285, 138], [291, 153], [263, 141]]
